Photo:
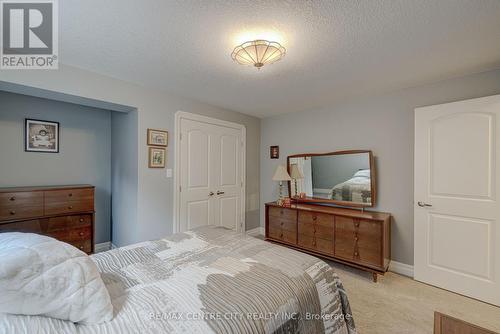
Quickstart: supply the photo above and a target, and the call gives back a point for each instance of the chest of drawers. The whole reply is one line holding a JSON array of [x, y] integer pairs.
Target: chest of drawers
[[357, 238], [62, 212]]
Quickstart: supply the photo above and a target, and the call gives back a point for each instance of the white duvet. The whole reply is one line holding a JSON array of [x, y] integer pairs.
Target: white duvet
[[42, 276]]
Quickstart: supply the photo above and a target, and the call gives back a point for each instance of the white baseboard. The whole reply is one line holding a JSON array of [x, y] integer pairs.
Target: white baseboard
[[102, 247], [256, 231], [401, 268]]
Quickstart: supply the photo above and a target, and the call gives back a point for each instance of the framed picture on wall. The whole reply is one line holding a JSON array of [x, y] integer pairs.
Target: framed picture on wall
[[274, 152], [157, 157], [41, 136], [157, 137]]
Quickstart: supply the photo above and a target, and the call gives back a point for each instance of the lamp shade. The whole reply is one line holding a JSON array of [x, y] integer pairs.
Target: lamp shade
[[295, 172], [281, 174]]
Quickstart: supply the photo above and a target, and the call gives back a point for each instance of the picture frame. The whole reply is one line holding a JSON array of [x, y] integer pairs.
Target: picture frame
[[274, 152], [41, 136], [157, 137], [157, 157]]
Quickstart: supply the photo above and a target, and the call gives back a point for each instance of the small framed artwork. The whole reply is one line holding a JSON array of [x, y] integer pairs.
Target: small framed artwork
[[157, 157], [157, 137], [275, 152], [41, 136]]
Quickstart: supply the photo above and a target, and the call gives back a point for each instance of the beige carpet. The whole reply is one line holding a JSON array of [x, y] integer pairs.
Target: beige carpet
[[397, 304]]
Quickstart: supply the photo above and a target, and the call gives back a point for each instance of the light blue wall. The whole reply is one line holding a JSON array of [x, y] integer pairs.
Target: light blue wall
[[85, 150], [124, 178]]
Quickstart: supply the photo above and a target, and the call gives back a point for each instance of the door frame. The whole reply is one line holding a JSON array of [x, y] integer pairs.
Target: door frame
[[179, 116]]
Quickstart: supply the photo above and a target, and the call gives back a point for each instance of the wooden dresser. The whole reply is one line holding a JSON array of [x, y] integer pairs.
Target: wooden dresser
[[62, 212], [357, 238]]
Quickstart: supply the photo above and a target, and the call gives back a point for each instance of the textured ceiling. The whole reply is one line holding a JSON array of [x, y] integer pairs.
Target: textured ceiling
[[335, 49]]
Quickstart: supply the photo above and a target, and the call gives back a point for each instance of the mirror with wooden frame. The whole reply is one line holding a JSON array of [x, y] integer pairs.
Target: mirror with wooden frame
[[343, 178]]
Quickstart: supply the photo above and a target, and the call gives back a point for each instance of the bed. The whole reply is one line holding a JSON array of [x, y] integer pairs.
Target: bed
[[356, 189], [210, 280]]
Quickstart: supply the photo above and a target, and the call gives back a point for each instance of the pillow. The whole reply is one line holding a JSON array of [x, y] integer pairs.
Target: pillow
[[362, 173], [40, 275]]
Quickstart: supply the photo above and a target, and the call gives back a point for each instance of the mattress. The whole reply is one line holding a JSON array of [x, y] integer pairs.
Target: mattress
[[210, 280]]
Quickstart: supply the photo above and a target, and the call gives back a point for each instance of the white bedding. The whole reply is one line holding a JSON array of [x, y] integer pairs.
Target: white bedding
[[40, 275], [235, 283]]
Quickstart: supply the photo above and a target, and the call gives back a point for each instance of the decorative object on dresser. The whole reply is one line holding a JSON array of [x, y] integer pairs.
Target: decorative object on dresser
[[296, 175], [62, 212], [281, 175], [357, 238]]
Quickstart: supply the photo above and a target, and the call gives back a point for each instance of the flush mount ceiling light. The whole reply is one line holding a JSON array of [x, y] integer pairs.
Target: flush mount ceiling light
[[258, 53]]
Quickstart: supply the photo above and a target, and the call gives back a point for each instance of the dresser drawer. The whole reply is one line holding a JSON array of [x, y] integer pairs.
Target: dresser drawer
[[72, 234], [359, 241], [283, 235], [283, 213], [20, 205], [316, 225], [69, 201], [65, 222], [283, 223], [84, 246], [27, 226], [316, 244]]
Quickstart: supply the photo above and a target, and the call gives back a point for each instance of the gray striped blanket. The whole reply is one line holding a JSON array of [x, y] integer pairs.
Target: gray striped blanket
[[210, 280]]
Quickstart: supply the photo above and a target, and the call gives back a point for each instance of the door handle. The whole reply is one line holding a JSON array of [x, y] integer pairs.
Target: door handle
[[211, 194], [220, 192], [424, 205]]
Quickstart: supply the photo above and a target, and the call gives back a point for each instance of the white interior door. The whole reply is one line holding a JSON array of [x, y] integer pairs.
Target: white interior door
[[211, 174], [457, 236]]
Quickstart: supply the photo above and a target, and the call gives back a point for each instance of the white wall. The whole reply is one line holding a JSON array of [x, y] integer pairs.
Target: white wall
[[155, 109], [383, 124], [84, 154]]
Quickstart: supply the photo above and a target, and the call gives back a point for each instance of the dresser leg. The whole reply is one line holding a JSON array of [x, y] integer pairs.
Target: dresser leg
[[375, 277]]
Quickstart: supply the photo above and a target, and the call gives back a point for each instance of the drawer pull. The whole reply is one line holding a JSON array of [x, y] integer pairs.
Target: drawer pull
[[70, 195], [282, 223], [81, 220], [356, 253], [356, 238], [12, 212], [80, 247], [281, 235], [314, 243], [13, 198], [81, 234], [70, 207], [281, 212], [314, 217], [356, 224]]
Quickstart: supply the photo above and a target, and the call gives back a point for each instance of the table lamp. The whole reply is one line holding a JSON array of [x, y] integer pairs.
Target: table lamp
[[281, 175], [296, 174]]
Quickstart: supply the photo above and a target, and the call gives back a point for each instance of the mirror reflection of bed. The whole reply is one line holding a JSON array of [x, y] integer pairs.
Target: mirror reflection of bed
[[339, 177]]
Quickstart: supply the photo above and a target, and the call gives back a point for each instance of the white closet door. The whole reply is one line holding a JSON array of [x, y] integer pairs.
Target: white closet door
[[211, 175], [196, 174], [457, 170], [228, 179]]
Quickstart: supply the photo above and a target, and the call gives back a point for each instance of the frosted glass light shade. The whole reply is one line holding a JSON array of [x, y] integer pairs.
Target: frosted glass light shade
[[295, 172], [281, 174], [258, 53]]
